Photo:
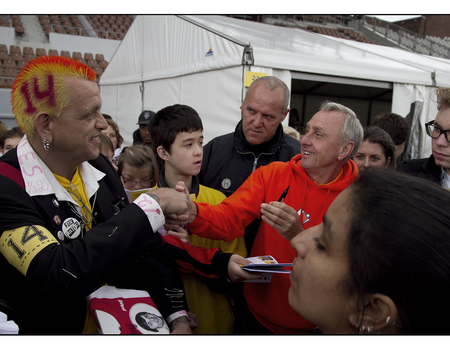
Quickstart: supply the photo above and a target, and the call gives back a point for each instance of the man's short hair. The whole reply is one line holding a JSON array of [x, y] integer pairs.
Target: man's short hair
[[352, 129], [442, 98], [272, 83], [9, 134], [395, 125], [41, 87], [171, 121]]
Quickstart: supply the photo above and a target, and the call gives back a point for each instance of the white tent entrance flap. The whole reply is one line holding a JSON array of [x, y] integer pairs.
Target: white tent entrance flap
[[414, 102], [201, 61]]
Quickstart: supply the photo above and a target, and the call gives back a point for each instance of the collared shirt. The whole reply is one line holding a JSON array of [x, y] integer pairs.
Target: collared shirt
[[39, 181], [445, 178]]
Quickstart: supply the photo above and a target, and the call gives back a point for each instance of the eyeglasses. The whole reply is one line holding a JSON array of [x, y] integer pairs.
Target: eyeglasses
[[141, 183], [435, 131]]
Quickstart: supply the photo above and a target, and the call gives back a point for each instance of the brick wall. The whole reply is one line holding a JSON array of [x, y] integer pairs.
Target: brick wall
[[437, 25], [433, 25], [416, 25]]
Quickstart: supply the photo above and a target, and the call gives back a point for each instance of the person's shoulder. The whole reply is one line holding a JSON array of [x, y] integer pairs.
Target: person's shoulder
[[210, 195], [277, 166], [290, 145], [102, 164], [220, 139], [290, 139], [414, 161], [11, 158], [412, 165]]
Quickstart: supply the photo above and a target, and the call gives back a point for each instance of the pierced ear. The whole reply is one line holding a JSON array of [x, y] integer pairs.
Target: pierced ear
[[346, 149], [42, 123], [380, 313], [162, 153]]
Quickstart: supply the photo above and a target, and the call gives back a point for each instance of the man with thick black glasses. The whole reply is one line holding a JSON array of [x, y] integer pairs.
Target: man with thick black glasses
[[436, 168]]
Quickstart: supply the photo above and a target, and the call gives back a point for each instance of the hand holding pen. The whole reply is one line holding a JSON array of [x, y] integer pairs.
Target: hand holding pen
[[283, 195], [282, 217]]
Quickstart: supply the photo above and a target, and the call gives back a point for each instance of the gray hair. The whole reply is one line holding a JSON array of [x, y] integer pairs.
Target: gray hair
[[271, 83], [352, 129]]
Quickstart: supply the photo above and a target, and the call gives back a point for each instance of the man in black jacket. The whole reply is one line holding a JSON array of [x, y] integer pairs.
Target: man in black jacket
[[66, 227], [436, 168], [257, 140]]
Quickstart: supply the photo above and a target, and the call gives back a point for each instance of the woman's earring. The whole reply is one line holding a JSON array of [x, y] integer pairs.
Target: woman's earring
[[388, 319], [46, 143]]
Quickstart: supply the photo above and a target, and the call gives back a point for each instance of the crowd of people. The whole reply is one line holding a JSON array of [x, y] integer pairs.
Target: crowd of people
[[368, 234]]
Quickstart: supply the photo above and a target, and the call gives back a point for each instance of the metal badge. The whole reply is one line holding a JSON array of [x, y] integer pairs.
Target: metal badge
[[71, 228], [57, 220], [55, 202]]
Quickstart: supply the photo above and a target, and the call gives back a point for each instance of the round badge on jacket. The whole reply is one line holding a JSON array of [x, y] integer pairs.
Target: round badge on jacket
[[226, 183], [71, 228]]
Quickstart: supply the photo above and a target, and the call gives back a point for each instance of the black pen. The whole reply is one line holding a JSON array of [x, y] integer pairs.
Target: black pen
[[283, 195]]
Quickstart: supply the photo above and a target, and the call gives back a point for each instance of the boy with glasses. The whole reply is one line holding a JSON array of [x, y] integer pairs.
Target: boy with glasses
[[436, 168]]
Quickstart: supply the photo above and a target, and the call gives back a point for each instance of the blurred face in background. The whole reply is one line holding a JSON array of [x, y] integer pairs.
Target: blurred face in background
[[11, 143], [134, 178], [112, 135], [370, 156], [145, 134]]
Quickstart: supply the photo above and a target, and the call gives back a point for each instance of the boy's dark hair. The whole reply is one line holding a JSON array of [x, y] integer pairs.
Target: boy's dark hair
[[171, 121], [11, 133], [395, 125]]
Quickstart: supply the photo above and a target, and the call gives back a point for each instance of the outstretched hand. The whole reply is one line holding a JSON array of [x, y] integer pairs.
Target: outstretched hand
[[173, 201], [236, 273], [283, 218], [179, 232], [193, 320], [174, 220]]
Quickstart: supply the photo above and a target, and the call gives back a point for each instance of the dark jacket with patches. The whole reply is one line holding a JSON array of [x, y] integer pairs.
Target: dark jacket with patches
[[120, 249]]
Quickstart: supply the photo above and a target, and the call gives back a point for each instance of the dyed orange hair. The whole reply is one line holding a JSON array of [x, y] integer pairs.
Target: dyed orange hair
[[41, 87]]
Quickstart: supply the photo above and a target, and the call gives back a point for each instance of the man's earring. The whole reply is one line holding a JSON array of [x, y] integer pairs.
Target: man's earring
[[46, 143]]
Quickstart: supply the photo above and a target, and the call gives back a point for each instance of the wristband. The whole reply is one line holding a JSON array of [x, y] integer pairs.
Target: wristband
[[152, 209], [176, 315]]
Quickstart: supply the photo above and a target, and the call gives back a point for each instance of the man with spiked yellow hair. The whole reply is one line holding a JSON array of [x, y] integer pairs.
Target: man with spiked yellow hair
[[66, 227]]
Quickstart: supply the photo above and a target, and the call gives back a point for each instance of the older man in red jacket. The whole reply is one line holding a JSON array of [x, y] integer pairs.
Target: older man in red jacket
[[315, 177]]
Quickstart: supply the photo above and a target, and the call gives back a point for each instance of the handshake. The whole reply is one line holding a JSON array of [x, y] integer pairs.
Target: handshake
[[176, 204], [179, 210]]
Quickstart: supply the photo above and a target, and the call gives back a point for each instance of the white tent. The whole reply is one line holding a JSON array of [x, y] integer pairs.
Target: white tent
[[201, 61]]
